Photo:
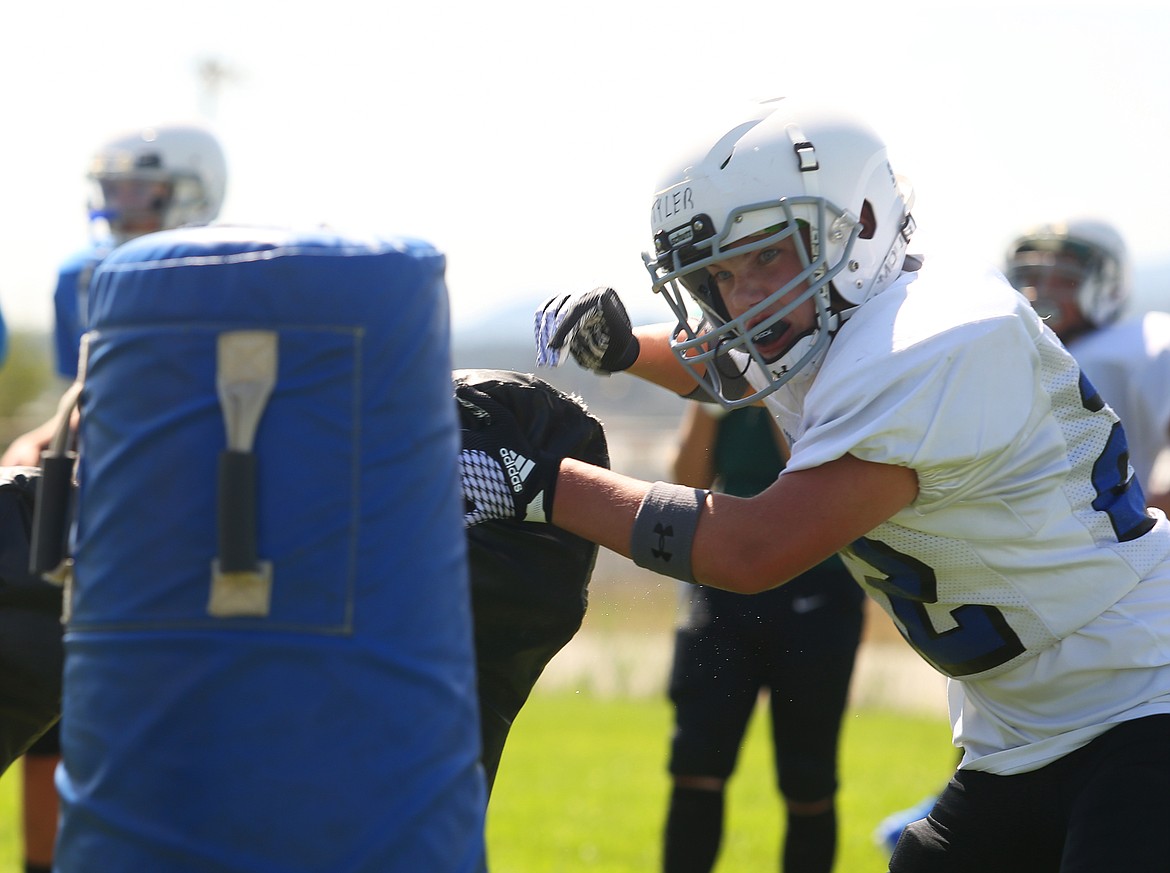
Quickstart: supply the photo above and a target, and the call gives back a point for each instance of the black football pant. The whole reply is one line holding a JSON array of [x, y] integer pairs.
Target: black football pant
[[1105, 808]]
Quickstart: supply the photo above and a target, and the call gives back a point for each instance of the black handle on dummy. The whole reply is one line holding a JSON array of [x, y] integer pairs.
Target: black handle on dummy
[[51, 513], [237, 512]]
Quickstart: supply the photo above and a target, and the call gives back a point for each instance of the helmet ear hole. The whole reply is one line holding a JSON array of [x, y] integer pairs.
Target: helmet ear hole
[[868, 221]]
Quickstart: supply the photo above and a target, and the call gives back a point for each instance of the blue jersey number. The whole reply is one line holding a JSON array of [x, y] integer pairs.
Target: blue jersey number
[[1119, 495], [980, 638]]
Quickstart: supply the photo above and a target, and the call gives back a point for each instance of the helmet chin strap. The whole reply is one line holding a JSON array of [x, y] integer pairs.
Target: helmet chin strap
[[828, 321], [1048, 311], [841, 308]]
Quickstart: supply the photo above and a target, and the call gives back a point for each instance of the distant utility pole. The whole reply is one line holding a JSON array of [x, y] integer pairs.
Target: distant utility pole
[[214, 75]]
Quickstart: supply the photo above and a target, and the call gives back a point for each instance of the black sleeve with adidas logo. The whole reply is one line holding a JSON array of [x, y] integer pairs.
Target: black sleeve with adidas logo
[[529, 582]]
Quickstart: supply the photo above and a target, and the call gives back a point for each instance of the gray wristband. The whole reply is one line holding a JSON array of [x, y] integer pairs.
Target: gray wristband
[[664, 529]]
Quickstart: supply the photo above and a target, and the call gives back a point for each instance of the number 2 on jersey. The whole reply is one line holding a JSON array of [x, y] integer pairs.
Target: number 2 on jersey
[[980, 637], [1119, 495]]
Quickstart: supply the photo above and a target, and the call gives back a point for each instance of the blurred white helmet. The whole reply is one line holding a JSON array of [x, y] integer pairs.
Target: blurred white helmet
[[1082, 261], [791, 169], [157, 178]]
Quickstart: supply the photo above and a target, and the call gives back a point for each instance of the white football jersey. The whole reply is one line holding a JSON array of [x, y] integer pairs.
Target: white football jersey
[[1024, 568], [1129, 364]]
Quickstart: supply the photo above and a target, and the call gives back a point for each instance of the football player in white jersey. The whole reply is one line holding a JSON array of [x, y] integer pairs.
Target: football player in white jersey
[[1077, 274], [942, 440]]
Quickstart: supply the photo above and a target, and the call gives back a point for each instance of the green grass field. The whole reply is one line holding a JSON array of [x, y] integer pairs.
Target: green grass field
[[583, 787]]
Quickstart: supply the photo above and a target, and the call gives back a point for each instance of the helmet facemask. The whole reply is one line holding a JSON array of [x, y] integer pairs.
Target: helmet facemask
[[132, 205], [722, 347]]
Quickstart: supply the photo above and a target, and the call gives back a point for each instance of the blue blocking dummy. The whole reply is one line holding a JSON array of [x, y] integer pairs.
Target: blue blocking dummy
[[268, 649]]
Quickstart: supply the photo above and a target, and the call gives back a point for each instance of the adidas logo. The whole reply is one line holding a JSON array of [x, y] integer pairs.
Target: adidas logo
[[518, 467]]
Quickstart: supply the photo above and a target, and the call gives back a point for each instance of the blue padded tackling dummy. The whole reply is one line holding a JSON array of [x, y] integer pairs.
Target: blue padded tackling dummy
[[269, 661]]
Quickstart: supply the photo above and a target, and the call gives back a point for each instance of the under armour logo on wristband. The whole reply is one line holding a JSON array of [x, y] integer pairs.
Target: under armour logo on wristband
[[663, 532], [664, 529]]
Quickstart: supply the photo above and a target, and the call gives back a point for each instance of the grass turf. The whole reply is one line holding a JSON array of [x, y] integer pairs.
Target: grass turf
[[583, 787]]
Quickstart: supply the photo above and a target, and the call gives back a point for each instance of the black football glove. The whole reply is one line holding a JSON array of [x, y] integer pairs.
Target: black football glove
[[503, 476], [595, 326]]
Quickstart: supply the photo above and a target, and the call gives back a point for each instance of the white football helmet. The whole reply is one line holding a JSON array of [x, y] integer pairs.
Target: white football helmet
[[1082, 261], [784, 166], [157, 178]]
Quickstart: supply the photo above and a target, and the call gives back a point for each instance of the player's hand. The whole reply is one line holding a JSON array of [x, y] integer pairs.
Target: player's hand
[[503, 476], [594, 326], [25, 451]]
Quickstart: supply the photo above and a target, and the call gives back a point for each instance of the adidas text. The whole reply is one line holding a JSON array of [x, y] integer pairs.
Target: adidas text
[[518, 467]]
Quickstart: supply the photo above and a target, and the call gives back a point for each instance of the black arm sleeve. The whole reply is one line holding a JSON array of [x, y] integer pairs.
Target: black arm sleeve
[[529, 582]]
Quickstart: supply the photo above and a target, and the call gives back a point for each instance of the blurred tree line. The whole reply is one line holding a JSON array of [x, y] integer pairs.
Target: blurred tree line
[[29, 385]]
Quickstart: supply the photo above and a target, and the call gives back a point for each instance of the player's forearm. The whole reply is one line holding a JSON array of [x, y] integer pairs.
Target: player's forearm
[[657, 363], [601, 506], [743, 544], [597, 504]]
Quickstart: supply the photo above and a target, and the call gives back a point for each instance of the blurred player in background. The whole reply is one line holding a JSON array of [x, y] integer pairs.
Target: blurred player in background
[[141, 181], [1077, 275], [152, 179], [942, 440], [798, 642]]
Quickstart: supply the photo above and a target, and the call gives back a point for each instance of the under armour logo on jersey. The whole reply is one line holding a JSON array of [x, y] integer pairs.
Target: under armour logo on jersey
[[663, 532], [517, 467]]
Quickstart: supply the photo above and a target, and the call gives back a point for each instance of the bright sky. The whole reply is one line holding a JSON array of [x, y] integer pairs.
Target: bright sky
[[524, 138]]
